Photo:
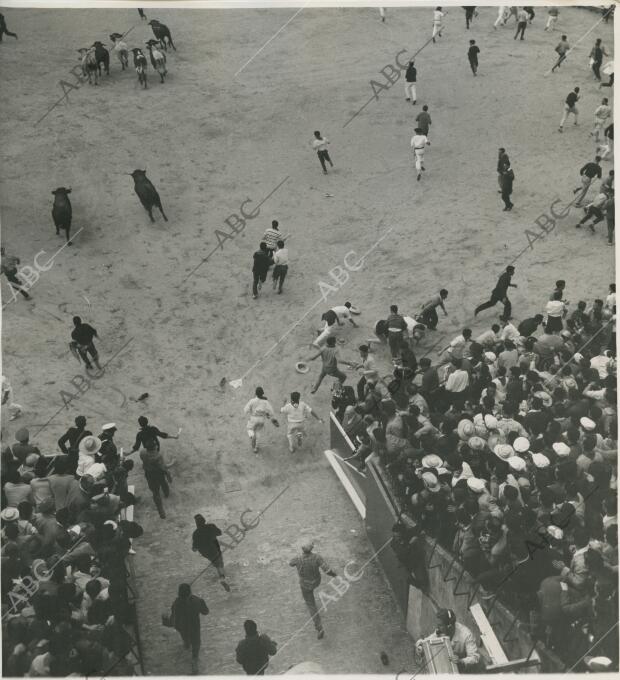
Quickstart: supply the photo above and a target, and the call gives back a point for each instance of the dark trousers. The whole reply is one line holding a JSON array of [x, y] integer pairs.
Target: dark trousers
[[506, 198], [15, 283], [474, 65], [308, 596], [521, 26], [429, 318], [192, 639], [469, 15], [4, 30], [592, 212], [157, 482], [324, 156], [361, 384], [84, 351], [279, 274], [611, 226], [258, 277], [395, 341], [610, 83], [596, 67], [559, 61], [492, 302]]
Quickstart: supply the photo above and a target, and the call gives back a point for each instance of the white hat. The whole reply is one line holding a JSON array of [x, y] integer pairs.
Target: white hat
[[521, 444], [476, 485], [9, 514], [544, 397], [503, 451], [490, 421], [561, 449], [476, 443], [555, 532], [465, 429], [442, 471], [90, 445], [430, 481], [108, 426], [432, 461], [588, 424], [489, 357], [599, 663], [540, 460], [577, 356], [516, 463], [466, 473]]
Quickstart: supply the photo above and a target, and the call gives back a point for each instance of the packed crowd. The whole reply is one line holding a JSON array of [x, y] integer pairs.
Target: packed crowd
[[66, 533], [506, 453]]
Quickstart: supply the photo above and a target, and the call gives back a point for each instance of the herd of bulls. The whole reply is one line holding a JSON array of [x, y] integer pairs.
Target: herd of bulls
[[96, 58]]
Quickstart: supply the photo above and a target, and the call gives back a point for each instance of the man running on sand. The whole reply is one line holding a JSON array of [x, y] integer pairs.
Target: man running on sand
[[259, 410], [296, 412], [329, 356], [419, 142]]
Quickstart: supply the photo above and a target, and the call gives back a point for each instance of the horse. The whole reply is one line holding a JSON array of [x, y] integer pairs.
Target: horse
[[121, 50], [158, 59], [140, 63], [89, 64]]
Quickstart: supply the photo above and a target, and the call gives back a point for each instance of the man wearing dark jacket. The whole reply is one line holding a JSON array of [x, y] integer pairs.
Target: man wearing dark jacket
[[507, 179], [70, 441], [204, 541], [410, 81], [149, 433], [262, 262], [500, 294], [503, 163], [254, 650]]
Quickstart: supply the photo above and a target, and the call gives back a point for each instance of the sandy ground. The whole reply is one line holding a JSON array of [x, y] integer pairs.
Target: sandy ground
[[210, 140]]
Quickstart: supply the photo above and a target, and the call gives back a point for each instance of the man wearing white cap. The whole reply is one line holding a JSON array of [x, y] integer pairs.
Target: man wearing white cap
[[309, 566], [108, 446]]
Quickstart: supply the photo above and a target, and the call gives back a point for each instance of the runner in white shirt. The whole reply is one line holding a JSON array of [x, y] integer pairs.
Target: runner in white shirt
[[343, 312], [296, 412], [438, 15], [419, 142], [280, 270], [259, 410], [501, 16]]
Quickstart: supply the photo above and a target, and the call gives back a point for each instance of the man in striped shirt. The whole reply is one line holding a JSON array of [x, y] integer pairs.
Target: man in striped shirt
[[271, 237], [308, 566]]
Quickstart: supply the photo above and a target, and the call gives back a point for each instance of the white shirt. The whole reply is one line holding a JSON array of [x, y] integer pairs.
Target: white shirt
[[488, 339], [457, 381], [419, 142], [600, 363], [610, 301], [438, 16], [554, 308], [509, 332], [458, 346], [602, 112], [320, 144], [281, 256], [259, 408], [411, 324], [296, 413], [342, 312], [119, 45]]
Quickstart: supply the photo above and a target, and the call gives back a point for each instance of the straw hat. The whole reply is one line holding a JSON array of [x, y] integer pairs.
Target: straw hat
[[89, 446], [540, 460], [476, 443], [561, 449], [503, 451], [516, 463], [465, 429], [431, 482], [302, 367], [432, 461], [521, 444], [476, 485]]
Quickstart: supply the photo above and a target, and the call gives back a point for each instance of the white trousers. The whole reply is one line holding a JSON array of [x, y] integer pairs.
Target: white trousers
[[419, 159], [410, 91], [437, 28], [551, 21]]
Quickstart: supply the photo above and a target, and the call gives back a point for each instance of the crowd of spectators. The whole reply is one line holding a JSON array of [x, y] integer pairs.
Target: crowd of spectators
[[66, 606], [506, 453]]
